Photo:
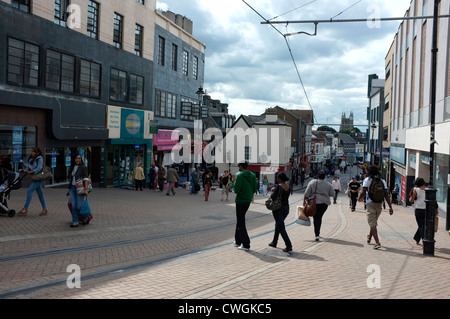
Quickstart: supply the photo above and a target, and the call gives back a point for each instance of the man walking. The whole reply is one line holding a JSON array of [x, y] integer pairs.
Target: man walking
[[374, 190], [172, 178], [354, 187], [244, 188], [337, 188]]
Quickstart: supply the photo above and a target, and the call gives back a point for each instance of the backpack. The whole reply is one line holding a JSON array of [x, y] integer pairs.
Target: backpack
[[376, 190]]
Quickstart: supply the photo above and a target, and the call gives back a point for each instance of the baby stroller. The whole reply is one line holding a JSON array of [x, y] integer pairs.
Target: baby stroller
[[394, 198], [14, 182]]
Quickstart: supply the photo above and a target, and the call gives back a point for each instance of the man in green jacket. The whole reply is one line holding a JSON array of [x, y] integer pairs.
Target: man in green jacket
[[244, 188]]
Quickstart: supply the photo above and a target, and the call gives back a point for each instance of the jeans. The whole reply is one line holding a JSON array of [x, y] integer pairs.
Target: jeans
[[336, 192], [280, 229], [353, 199], [35, 186], [420, 218], [320, 211], [241, 235], [77, 201]]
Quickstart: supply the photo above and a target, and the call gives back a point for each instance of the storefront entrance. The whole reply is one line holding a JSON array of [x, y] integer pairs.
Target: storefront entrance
[[122, 160]]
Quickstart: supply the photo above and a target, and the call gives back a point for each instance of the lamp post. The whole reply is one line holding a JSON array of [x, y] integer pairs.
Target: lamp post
[[373, 127], [430, 191]]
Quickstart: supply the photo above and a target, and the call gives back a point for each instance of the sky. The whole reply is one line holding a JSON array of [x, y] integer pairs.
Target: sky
[[249, 65]]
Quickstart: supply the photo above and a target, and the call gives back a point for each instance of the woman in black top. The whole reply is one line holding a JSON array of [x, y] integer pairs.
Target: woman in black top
[[281, 214]]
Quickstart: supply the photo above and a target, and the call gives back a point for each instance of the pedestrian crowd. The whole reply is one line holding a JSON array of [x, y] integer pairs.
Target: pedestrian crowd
[[368, 188]]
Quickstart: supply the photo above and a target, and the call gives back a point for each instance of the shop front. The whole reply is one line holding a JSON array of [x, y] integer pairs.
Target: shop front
[[129, 145]]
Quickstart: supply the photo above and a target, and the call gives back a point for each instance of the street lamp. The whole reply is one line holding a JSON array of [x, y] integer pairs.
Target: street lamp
[[200, 94], [373, 127]]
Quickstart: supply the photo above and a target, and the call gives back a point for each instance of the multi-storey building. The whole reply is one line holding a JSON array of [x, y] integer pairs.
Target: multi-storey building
[[95, 77], [410, 99]]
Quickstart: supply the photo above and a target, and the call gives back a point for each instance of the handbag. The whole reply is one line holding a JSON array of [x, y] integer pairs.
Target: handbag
[[310, 205], [274, 204], [44, 174], [80, 186]]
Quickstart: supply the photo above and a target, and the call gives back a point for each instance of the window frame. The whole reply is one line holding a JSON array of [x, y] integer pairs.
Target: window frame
[[93, 22], [118, 31], [185, 62], [138, 39], [21, 66]]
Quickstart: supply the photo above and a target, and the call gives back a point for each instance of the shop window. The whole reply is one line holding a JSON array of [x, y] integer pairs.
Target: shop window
[[16, 143]]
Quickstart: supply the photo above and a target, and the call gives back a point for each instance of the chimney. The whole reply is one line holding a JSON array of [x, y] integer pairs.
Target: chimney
[[271, 115]]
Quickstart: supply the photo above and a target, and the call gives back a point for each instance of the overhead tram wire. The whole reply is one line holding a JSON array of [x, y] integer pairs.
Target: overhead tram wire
[[304, 5], [290, 52]]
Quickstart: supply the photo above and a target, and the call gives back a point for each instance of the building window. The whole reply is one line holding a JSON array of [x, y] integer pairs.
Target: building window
[[161, 51], [118, 30], [61, 12], [60, 71], [23, 63], [138, 39], [22, 5], [90, 78], [140, 1], [195, 68], [174, 57], [166, 104], [160, 106], [136, 89], [185, 62], [92, 20], [171, 105], [118, 89]]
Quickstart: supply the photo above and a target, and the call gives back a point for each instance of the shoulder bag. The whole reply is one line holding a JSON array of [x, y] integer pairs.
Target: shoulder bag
[[275, 204], [310, 204], [44, 174]]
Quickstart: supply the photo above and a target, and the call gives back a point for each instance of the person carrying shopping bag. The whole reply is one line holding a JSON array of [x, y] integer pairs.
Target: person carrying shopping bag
[[35, 165], [78, 172]]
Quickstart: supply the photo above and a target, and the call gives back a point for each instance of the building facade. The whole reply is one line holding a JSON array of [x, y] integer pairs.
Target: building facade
[[410, 102]]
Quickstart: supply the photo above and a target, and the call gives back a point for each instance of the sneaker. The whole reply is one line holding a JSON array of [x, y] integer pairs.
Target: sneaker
[[287, 250], [242, 247], [317, 238], [272, 244], [377, 246]]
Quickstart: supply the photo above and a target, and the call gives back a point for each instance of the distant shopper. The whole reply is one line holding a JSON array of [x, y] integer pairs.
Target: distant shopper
[[139, 177], [323, 191], [337, 188], [374, 191], [418, 198], [207, 183], [281, 214], [161, 177], [172, 178], [194, 182], [152, 177], [265, 183], [35, 165], [244, 189], [354, 187], [224, 182]]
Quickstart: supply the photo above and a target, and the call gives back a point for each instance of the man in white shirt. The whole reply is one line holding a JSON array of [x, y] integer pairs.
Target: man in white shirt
[[374, 208], [337, 188]]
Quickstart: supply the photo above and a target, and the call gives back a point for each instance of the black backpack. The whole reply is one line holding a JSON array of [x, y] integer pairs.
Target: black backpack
[[376, 190]]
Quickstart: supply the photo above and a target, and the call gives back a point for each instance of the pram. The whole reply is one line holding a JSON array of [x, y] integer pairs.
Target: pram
[[14, 183], [394, 198]]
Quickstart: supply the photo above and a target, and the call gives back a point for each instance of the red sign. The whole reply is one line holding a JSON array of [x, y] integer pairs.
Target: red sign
[[403, 191]]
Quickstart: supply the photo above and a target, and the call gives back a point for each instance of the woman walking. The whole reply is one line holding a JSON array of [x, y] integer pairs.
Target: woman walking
[[35, 165], [281, 214], [207, 183], [78, 171], [323, 191], [418, 198]]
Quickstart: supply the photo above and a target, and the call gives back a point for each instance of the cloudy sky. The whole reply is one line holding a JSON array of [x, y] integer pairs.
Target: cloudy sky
[[249, 65]]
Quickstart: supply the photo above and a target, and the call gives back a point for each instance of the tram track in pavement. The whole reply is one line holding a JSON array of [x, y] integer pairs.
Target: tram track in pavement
[[49, 282]]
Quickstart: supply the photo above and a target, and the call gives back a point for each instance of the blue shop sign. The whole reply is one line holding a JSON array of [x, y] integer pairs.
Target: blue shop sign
[[132, 124], [398, 154]]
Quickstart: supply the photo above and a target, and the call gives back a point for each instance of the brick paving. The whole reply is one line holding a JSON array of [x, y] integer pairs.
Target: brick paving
[[339, 266]]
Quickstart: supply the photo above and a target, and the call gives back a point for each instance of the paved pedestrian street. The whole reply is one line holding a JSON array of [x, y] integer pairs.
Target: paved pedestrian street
[[341, 265]]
